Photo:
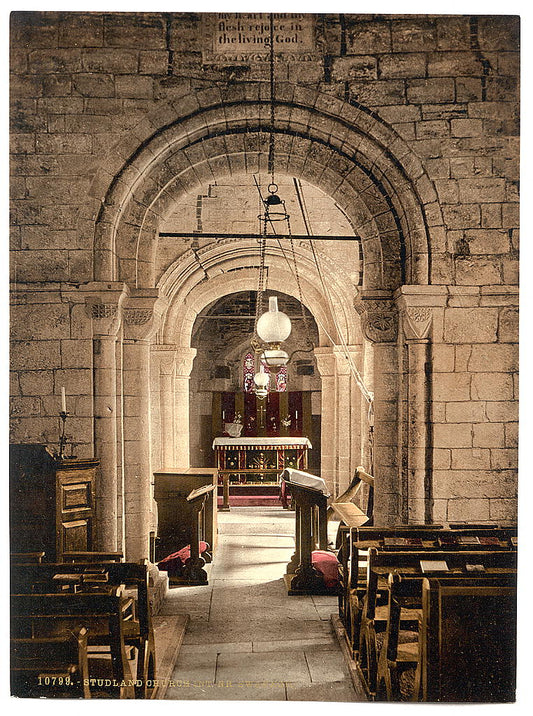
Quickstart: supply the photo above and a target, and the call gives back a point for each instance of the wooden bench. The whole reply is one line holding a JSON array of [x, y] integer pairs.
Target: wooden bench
[[137, 631], [468, 641], [369, 610], [54, 667], [356, 542], [92, 557], [49, 616], [401, 654], [353, 560]]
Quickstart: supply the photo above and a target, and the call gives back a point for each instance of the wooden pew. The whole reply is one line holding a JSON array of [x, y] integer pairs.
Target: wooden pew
[[353, 565], [54, 667], [356, 542], [26, 557], [372, 612], [468, 641], [402, 650], [92, 556], [46, 616], [137, 631]]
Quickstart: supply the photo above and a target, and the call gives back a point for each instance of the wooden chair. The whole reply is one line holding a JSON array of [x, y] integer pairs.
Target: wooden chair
[[54, 667], [48, 616], [469, 640], [137, 630]]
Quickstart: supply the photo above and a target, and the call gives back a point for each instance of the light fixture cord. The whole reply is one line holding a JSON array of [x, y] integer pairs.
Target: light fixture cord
[[271, 135], [358, 378]]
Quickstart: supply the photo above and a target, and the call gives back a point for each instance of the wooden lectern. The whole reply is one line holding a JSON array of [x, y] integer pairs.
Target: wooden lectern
[[309, 497], [193, 572], [187, 514], [171, 489]]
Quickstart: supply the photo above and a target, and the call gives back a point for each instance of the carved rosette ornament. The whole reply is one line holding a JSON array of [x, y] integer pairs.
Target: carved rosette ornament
[[379, 319], [416, 322]]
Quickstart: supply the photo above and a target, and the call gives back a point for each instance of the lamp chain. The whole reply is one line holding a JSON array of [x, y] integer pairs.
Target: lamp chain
[[271, 135]]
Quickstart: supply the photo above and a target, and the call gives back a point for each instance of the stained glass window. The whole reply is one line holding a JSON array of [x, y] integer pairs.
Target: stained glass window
[[248, 371], [281, 379]]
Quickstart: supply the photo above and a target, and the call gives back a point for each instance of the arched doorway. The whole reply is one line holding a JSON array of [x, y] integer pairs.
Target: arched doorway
[[390, 205]]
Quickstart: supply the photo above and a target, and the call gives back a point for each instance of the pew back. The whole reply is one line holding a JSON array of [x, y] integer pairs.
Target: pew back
[[469, 640]]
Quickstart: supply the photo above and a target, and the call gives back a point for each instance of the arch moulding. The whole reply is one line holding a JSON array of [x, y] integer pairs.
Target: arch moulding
[[345, 150]]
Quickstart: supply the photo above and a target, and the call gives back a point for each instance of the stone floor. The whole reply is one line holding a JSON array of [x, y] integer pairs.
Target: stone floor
[[246, 638]]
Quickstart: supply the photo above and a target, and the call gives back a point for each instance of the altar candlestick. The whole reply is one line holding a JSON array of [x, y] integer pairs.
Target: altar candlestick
[[63, 401]]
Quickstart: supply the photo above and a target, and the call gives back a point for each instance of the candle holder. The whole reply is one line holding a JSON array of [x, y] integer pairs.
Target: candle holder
[[62, 437]]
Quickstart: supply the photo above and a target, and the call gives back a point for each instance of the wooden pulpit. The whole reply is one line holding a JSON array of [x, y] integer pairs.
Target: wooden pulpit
[[52, 502]]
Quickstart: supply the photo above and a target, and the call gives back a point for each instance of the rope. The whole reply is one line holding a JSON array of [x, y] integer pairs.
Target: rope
[[271, 135], [357, 376]]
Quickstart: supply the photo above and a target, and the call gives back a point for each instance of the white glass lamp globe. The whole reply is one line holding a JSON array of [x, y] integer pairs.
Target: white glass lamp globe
[[274, 358], [261, 379], [274, 326]]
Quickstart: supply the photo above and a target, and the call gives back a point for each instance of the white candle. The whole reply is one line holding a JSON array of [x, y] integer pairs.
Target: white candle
[[63, 401], [296, 415], [223, 415]]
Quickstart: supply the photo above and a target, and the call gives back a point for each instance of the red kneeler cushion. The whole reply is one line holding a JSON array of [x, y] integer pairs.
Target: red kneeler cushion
[[174, 563], [328, 565]]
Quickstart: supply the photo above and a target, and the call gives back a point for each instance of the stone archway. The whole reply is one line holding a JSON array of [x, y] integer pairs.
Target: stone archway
[[345, 151]]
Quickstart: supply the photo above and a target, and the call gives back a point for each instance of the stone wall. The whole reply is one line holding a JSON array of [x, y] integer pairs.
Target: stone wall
[[87, 89]]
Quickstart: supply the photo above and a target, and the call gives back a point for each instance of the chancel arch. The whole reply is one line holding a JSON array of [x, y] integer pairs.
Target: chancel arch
[[367, 172], [367, 169]]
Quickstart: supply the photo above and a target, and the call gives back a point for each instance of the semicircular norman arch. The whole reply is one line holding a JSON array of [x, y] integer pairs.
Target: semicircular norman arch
[[352, 156]]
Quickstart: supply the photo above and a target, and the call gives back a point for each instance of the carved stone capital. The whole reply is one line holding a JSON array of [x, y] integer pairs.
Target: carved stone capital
[[325, 361], [142, 314], [104, 303], [416, 322], [417, 305], [379, 317], [343, 362], [184, 358], [164, 356]]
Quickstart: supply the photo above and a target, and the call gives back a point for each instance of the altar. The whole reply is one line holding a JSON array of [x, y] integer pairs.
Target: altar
[[256, 462]]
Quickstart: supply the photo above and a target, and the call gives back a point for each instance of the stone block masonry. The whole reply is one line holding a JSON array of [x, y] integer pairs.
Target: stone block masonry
[[409, 123]]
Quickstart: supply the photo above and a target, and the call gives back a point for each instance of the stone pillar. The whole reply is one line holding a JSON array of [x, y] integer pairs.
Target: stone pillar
[[325, 360], [184, 358], [379, 324], [104, 305], [141, 319], [163, 363], [348, 413], [416, 304]]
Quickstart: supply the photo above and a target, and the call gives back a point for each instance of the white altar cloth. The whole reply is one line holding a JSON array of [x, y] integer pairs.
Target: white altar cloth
[[262, 442]]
